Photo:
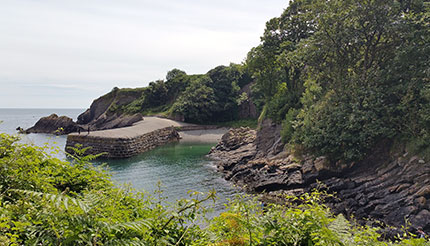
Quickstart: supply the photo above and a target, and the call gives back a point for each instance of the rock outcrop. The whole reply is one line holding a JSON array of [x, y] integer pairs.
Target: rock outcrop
[[112, 121], [100, 116], [247, 108], [64, 125], [268, 141], [235, 149], [103, 112], [54, 124], [392, 188]]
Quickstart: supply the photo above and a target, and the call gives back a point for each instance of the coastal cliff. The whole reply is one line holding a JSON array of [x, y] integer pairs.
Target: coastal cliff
[[100, 116], [391, 187], [103, 113]]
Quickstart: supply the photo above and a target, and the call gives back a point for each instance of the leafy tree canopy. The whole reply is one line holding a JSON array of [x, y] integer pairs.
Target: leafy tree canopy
[[343, 75]]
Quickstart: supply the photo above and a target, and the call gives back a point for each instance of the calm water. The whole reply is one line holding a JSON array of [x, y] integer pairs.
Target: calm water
[[180, 167], [26, 118]]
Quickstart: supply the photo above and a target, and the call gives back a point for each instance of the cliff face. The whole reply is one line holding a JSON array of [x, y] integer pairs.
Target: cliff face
[[247, 108], [101, 115], [393, 188]]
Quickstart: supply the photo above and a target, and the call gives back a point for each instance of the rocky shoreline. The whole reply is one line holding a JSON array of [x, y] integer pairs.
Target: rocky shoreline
[[393, 188], [62, 125]]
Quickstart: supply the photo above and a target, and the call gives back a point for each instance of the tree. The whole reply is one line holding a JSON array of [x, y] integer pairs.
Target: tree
[[175, 73], [176, 82], [155, 94], [273, 63], [226, 91], [357, 75], [197, 102]]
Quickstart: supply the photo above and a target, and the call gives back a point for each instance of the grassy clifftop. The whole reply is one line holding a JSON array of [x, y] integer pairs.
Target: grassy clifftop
[[216, 96]]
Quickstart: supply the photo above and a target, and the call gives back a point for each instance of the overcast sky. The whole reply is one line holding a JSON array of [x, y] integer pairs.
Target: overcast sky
[[64, 54]]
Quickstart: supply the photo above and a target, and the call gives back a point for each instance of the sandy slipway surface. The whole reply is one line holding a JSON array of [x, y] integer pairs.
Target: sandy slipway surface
[[203, 136], [150, 124]]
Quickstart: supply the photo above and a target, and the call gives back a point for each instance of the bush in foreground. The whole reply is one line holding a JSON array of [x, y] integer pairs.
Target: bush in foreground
[[46, 201]]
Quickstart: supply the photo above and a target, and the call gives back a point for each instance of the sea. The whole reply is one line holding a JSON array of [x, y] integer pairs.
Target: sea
[[177, 169]]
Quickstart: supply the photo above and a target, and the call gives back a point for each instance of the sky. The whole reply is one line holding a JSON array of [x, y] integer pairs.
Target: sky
[[65, 54]]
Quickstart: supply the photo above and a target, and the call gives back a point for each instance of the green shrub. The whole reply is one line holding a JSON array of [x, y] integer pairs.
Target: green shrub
[[46, 201], [197, 102], [346, 126], [287, 130], [34, 210]]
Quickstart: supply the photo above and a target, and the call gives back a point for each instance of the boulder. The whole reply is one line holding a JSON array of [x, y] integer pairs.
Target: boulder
[[234, 139], [20, 129], [54, 124]]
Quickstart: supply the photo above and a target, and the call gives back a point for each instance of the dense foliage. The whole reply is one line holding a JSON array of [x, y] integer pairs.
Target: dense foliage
[[46, 201], [203, 98], [340, 75], [343, 75]]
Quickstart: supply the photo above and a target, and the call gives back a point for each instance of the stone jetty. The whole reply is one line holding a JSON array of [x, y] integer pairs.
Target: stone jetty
[[133, 140]]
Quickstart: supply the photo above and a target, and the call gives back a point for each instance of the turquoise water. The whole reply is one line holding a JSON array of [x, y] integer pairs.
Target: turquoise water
[[179, 167]]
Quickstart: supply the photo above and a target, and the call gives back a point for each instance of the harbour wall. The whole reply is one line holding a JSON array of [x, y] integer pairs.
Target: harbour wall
[[121, 147]]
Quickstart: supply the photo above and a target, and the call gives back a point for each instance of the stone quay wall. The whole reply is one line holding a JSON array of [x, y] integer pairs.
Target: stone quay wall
[[122, 147], [195, 128]]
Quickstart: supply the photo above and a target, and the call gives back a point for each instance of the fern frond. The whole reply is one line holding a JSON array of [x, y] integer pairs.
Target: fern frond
[[78, 153], [137, 226], [126, 242], [340, 226], [56, 199]]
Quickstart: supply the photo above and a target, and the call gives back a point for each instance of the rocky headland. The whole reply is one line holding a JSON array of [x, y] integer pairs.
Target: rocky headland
[[100, 116], [60, 125], [393, 188], [103, 113]]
